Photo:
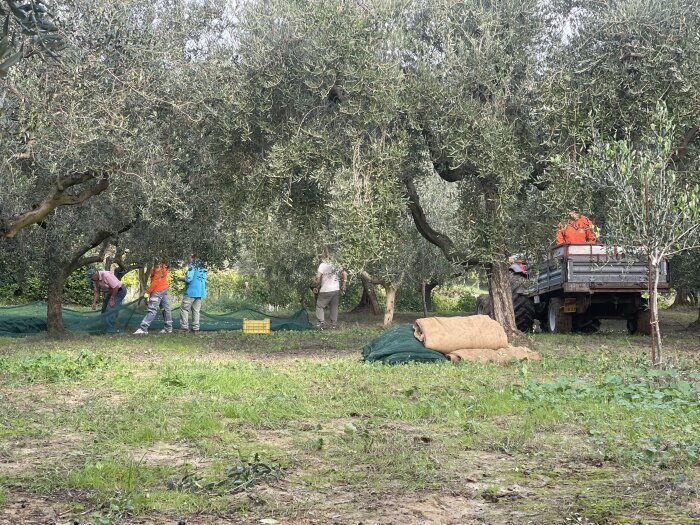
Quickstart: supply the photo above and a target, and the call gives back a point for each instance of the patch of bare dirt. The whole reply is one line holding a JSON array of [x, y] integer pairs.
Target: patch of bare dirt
[[25, 455], [26, 508], [42, 398], [172, 454]]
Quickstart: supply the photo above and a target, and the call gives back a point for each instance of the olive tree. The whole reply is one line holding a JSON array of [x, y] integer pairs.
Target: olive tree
[[379, 97], [95, 140], [652, 205]]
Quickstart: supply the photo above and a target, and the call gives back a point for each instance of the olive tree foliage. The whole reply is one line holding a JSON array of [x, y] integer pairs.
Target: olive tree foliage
[[325, 170], [29, 29], [287, 251], [349, 106], [88, 120], [620, 60], [109, 136], [617, 61]]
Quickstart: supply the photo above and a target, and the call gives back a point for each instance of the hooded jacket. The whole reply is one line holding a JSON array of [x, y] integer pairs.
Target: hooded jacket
[[195, 281]]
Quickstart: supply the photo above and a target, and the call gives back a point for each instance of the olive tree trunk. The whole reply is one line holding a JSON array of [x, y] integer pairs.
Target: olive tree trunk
[[390, 303], [54, 301], [427, 294], [501, 297], [143, 279], [63, 267], [369, 297], [390, 288], [656, 344], [681, 298]]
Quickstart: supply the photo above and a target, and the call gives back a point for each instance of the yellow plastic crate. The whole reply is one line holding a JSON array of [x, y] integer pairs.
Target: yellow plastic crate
[[251, 326]]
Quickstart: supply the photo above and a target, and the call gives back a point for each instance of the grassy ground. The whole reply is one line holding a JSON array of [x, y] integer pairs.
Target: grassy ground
[[293, 428]]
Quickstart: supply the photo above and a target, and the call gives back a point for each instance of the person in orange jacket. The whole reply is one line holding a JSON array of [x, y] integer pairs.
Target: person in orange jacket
[[158, 297], [579, 229]]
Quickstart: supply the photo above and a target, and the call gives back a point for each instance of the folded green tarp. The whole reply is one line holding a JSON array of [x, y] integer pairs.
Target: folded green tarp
[[399, 345]]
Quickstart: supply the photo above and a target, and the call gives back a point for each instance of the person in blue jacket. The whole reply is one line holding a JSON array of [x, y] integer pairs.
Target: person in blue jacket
[[195, 290]]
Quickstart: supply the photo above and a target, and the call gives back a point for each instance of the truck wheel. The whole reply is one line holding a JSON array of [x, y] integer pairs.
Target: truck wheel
[[639, 324], [559, 322], [483, 305], [523, 306]]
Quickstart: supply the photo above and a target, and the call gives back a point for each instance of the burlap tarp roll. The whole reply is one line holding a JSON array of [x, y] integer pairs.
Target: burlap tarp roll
[[487, 355], [447, 334]]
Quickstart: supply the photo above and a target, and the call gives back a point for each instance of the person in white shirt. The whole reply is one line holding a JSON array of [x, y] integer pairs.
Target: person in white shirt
[[327, 290]]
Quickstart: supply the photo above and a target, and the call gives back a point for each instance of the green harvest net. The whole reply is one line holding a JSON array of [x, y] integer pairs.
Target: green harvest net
[[30, 319]]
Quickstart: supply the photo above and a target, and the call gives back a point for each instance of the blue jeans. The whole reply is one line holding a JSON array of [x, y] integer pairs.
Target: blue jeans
[[109, 313]]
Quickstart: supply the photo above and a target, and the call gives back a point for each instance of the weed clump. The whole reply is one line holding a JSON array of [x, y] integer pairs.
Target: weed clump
[[55, 367]]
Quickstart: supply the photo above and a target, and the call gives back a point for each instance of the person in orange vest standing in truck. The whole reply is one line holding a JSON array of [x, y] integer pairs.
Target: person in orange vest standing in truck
[[158, 297], [578, 230]]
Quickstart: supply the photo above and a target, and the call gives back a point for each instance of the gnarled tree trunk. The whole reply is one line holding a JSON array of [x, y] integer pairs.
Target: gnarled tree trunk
[[64, 267], [681, 298], [369, 297], [502, 298], [390, 288], [427, 293]]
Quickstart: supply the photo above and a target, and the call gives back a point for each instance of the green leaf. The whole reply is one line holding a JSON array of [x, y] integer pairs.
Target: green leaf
[[7, 64]]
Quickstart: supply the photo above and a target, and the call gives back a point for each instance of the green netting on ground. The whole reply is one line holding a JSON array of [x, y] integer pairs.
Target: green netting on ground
[[30, 319]]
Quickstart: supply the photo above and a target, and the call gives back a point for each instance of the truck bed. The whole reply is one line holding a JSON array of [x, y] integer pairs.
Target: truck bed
[[578, 268]]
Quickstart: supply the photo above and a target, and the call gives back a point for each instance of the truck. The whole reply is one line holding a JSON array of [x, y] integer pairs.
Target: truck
[[578, 285]]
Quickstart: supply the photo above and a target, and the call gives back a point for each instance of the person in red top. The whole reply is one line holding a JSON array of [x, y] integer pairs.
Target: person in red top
[[158, 297], [579, 230]]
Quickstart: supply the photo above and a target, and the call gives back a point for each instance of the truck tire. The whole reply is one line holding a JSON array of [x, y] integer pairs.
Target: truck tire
[[558, 321], [483, 305], [639, 324], [523, 307]]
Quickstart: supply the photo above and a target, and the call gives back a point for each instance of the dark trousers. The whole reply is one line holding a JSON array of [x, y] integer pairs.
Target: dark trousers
[[109, 313]]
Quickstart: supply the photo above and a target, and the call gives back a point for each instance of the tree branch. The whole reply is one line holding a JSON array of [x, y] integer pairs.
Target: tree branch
[[58, 197], [78, 261], [441, 163], [440, 240], [688, 138], [368, 278], [99, 237]]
